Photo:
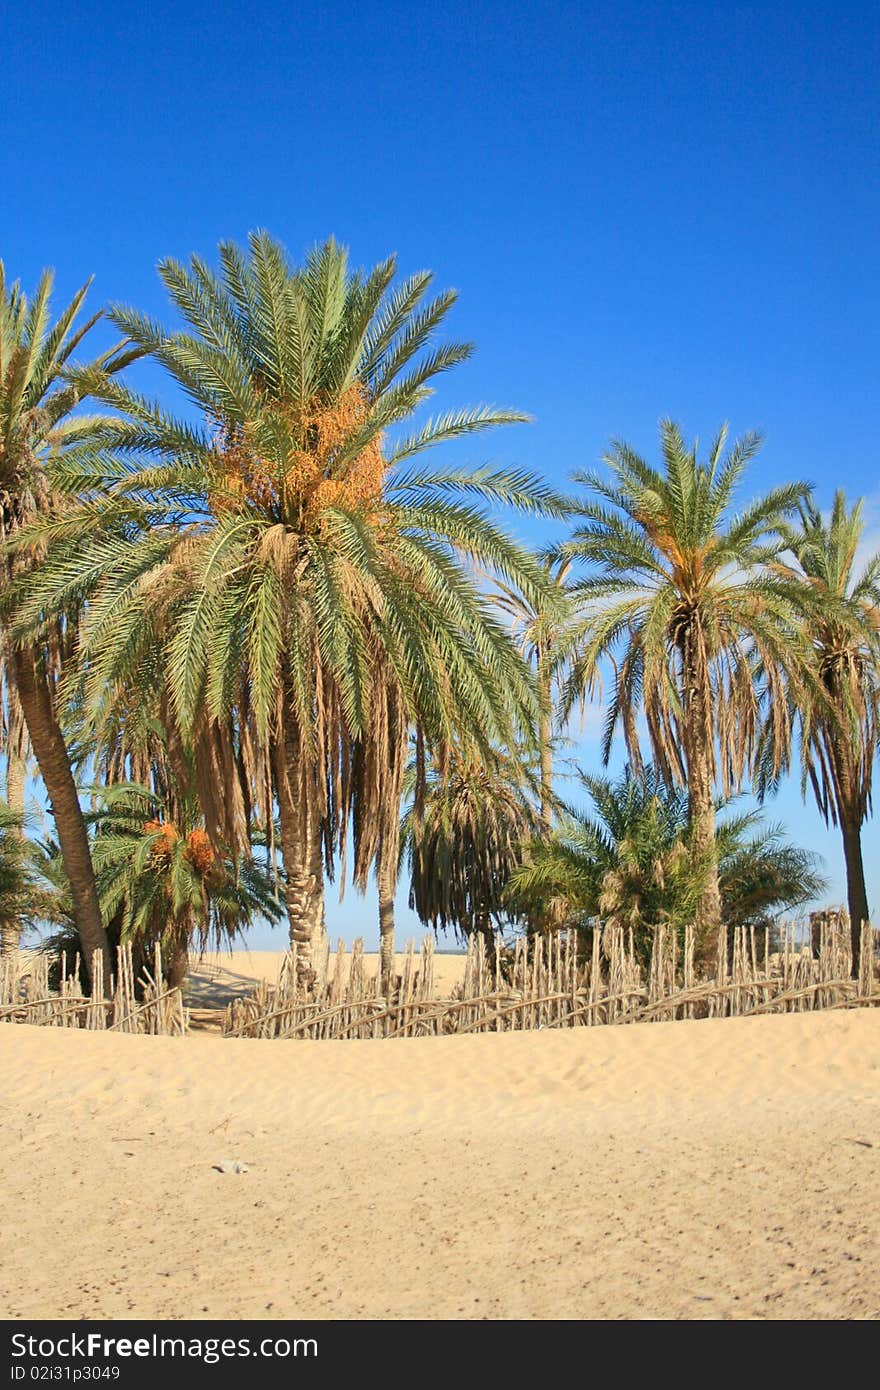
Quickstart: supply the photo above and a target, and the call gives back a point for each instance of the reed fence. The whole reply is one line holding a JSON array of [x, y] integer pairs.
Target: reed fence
[[113, 1006], [548, 982], [552, 983]]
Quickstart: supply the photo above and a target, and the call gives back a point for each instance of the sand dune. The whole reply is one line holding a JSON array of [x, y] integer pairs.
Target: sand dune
[[722, 1169]]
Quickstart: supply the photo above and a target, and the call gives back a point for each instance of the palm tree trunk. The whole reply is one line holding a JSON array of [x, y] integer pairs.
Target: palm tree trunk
[[387, 881], [856, 891], [16, 770], [10, 937], [52, 758], [15, 778], [178, 966], [301, 848], [849, 817], [698, 732]]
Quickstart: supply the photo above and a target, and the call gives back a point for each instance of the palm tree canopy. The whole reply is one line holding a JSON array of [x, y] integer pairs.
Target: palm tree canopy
[[463, 835], [678, 595], [40, 424], [285, 549], [629, 863], [159, 877], [540, 630], [39, 394], [28, 894]]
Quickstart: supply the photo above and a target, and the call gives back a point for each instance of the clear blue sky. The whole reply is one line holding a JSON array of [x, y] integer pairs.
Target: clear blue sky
[[649, 209]]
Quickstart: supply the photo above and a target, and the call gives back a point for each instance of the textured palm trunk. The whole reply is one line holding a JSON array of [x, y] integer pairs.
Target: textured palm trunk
[[850, 812], [387, 882], [849, 817], [10, 937], [856, 890], [50, 751], [301, 849], [16, 770], [15, 778], [701, 812], [178, 966]]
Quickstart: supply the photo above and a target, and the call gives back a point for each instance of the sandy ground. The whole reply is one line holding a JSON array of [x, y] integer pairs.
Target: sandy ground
[[722, 1169]]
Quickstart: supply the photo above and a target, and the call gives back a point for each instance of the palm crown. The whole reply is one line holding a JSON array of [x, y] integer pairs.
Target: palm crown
[[843, 618], [160, 879]]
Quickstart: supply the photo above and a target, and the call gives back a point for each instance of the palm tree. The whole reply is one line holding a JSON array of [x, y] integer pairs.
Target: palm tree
[[837, 712], [39, 426], [463, 836], [289, 558], [161, 881], [761, 873], [628, 864], [681, 606], [27, 896], [631, 863]]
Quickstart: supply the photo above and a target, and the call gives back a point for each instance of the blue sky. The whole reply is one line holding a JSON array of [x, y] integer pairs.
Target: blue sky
[[647, 209]]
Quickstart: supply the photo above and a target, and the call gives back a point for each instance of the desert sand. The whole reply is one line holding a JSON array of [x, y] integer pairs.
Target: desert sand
[[718, 1169]]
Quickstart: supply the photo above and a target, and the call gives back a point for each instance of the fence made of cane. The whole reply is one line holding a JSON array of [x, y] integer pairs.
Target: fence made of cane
[[122, 1003], [553, 982], [548, 982]]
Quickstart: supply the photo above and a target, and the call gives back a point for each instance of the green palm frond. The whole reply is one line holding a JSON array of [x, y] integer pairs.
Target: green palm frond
[[630, 862], [676, 581]]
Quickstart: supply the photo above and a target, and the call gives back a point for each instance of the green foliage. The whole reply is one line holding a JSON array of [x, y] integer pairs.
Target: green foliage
[[838, 709], [30, 897], [251, 606], [162, 881], [462, 836], [256, 572], [680, 596], [631, 863], [290, 560]]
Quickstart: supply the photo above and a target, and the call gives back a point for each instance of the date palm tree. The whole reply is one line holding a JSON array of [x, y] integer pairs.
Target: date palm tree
[[40, 426], [161, 881], [626, 864], [287, 555], [463, 834], [28, 897], [629, 862], [838, 713], [679, 605]]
